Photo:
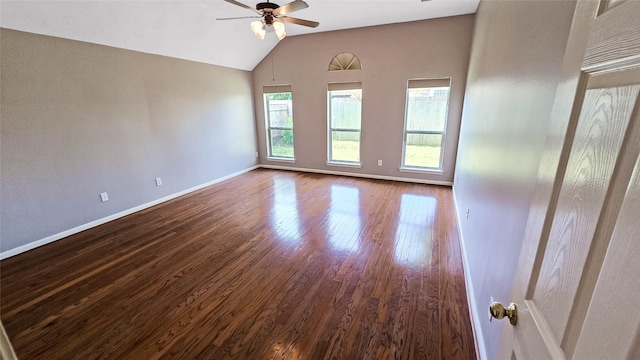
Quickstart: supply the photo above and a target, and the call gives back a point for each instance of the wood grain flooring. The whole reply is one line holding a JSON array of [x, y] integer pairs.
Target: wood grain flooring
[[267, 265]]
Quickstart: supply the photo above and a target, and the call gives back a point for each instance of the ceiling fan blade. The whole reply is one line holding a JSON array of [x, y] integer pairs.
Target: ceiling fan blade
[[297, 21], [290, 7], [241, 5], [240, 17]]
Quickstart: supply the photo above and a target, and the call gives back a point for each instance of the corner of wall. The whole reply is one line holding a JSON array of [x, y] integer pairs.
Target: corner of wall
[[49, 239]]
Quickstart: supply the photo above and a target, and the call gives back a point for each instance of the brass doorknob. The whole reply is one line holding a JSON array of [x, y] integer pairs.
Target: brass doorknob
[[498, 311]]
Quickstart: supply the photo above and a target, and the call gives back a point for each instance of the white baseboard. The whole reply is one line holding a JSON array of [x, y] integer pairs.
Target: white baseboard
[[75, 230], [475, 313], [367, 176], [6, 350]]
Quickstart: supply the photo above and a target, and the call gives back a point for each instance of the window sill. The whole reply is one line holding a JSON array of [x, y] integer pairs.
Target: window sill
[[344, 164], [289, 160], [421, 170]]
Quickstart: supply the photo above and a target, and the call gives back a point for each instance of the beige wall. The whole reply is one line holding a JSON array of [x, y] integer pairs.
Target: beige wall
[[79, 119], [515, 66], [390, 55]]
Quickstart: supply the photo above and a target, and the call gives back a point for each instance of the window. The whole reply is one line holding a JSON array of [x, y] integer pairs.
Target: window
[[278, 114], [425, 123], [345, 111], [345, 61]]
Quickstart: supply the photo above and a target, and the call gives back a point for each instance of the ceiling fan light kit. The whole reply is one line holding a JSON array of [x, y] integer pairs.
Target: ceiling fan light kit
[[278, 26], [258, 28], [273, 17]]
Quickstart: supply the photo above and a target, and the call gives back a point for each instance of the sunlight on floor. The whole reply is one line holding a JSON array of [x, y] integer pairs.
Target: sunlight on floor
[[285, 218], [414, 234], [285, 352], [344, 218]]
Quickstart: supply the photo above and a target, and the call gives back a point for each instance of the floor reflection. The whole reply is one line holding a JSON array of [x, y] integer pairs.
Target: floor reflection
[[288, 352], [285, 218], [414, 234], [344, 218]]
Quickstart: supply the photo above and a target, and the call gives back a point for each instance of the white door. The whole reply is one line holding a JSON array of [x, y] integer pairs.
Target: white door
[[577, 290]]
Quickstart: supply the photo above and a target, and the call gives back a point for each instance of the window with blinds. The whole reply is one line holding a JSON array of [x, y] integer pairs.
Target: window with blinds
[[344, 122], [427, 107], [278, 114]]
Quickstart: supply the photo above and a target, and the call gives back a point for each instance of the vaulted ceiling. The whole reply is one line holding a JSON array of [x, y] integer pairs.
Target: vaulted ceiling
[[188, 29]]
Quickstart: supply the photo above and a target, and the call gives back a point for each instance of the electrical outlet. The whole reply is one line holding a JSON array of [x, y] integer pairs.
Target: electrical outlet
[[104, 197], [379, 162], [256, 154], [158, 181], [466, 213]]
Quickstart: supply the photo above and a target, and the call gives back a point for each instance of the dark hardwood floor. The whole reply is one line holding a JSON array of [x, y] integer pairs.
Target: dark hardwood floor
[[268, 265]]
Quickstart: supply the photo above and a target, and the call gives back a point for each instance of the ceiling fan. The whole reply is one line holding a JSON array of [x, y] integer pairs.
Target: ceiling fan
[[273, 17]]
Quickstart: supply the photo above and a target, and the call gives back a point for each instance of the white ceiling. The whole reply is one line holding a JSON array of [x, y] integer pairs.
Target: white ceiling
[[188, 29]]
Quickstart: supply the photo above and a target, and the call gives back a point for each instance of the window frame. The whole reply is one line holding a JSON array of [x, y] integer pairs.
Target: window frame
[[425, 84], [330, 130], [278, 89]]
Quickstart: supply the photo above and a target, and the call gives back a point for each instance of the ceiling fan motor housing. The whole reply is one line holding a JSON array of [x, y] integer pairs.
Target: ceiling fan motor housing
[[266, 5]]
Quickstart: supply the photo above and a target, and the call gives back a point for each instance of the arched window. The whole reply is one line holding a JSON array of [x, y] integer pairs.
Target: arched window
[[345, 61]]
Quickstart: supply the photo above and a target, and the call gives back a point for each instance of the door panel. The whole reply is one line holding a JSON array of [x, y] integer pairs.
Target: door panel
[[614, 38], [610, 331], [539, 340], [601, 127]]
